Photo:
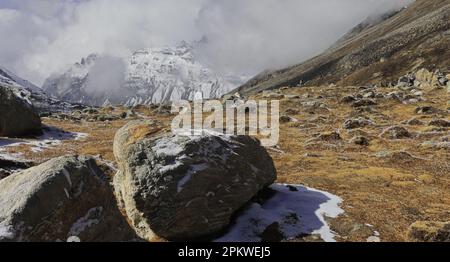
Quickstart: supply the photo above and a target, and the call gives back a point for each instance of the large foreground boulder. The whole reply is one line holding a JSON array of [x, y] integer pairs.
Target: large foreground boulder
[[17, 116], [178, 187], [63, 198]]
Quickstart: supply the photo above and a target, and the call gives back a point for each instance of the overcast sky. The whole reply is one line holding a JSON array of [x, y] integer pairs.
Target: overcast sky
[[42, 37]]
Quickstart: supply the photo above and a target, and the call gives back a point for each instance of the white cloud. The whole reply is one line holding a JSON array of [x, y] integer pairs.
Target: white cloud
[[43, 37]]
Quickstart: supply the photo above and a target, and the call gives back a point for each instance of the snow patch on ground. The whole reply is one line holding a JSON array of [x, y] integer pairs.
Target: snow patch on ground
[[297, 209], [10, 157], [52, 137]]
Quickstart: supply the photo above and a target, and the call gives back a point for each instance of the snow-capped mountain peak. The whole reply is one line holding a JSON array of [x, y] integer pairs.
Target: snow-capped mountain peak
[[151, 75]]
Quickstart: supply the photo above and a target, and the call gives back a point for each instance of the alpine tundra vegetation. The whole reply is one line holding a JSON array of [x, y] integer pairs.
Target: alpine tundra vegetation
[[160, 132]]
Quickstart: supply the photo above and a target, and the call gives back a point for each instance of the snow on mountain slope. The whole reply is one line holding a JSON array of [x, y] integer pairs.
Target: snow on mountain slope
[[9, 78], [30, 92], [152, 75]]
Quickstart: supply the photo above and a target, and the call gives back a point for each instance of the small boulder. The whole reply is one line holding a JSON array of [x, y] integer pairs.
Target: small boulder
[[414, 122], [426, 110], [439, 123], [360, 140], [329, 137], [17, 116], [406, 81], [369, 94], [395, 132], [186, 187], [396, 95], [364, 102], [396, 156], [357, 123], [286, 119], [348, 99]]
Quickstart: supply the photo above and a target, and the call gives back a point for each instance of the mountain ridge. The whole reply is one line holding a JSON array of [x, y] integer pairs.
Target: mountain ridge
[[151, 75], [31, 93], [417, 36]]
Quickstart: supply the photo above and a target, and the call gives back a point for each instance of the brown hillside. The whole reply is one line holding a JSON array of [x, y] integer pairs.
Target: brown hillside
[[418, 36]]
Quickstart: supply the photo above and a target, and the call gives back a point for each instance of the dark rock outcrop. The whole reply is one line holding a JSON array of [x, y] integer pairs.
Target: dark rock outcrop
[[17, 116]]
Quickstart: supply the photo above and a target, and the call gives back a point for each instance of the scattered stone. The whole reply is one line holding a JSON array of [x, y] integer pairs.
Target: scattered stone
[[426, 110], [445, 138], [17, 116], [429, 231], [414, 122], [327, 137], [396, 95], [369, 94], [406, 81], [360, 140], [291, 96], [286, 119], [436, 145], [179, 187], [64, 197], [395, 132], [273, 96], [439, 123], [364, 102], [319, 120], [396, 156], [291, 111], [357, 123], [379, 96]]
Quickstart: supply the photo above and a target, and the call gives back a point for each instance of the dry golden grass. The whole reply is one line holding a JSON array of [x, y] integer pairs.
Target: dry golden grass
[[389, 194]]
